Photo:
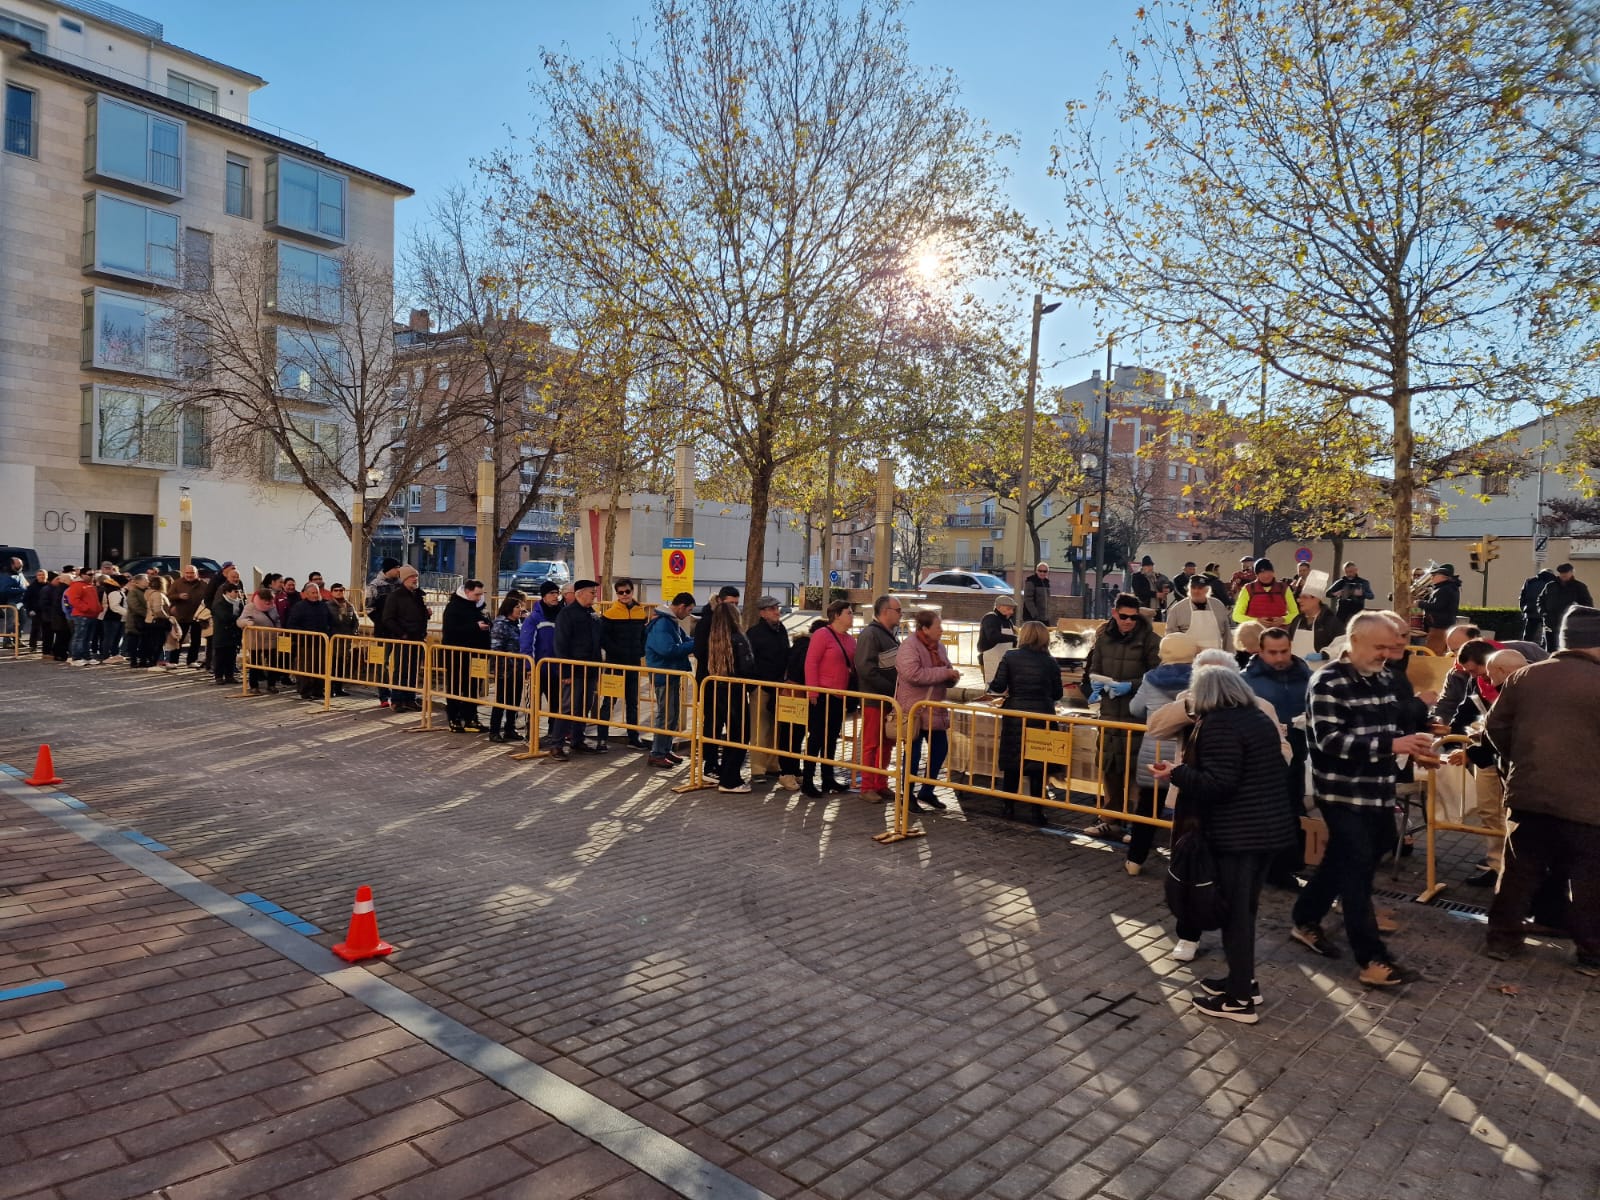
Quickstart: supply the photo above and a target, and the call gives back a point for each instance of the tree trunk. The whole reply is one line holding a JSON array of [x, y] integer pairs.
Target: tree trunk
[[1337, 542], [756, 545]]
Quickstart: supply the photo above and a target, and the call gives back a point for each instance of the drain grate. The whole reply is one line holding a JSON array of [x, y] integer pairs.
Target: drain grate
[[1449, 906]]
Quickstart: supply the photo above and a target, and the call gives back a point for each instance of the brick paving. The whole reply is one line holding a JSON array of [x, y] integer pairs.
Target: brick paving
[[984, 1012]]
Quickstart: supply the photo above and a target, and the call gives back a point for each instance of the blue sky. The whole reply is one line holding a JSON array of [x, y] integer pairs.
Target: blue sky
[[415, 91]]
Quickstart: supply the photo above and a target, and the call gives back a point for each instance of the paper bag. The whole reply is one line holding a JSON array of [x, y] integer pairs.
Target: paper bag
[[1305, 643]]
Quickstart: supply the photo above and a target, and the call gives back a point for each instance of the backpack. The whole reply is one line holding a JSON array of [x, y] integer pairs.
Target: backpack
[[1192, 883]]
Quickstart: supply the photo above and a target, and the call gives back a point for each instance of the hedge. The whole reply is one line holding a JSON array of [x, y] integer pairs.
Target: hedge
[[1503, 622]]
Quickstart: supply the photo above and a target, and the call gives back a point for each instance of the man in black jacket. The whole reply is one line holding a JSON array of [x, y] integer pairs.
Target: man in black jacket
[[578, 639], [1532, 622], [1440, 605], [1560, 594], [1036, 595], [769, 642], [1349, 593], [462, 628]]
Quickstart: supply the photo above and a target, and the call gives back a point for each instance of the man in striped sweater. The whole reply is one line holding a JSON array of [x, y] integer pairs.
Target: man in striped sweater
[[1356, 732]]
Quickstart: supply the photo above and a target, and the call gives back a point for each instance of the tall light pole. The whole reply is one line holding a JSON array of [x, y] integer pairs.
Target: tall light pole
[[185, 528], [1025, 479]]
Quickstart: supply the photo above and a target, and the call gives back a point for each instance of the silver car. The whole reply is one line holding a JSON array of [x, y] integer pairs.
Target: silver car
[[965, 581]]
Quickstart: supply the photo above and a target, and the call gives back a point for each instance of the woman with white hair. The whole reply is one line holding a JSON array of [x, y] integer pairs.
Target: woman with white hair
[[1231, 785]]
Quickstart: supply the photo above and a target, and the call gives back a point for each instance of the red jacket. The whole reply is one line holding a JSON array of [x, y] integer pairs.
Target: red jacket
[[826, 664], [83, 599]]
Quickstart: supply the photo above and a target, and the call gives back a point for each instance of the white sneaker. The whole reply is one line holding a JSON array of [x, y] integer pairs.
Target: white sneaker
[[788, 783], [77, 662], [1185, 951]]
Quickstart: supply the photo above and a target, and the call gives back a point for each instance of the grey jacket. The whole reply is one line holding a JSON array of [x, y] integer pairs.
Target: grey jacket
[[874, 642]]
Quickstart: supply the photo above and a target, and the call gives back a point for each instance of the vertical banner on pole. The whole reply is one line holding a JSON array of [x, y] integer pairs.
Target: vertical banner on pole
[[677, 567]]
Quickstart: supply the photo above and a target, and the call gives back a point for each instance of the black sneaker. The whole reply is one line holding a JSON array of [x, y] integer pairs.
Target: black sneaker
[[1484, 878], [1219, 987], [1387, 974], [1587, 966], [1242, 1011], [1314, 940]]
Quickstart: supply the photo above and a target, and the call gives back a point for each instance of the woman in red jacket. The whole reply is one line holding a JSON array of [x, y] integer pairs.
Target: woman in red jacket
[[829, 660], [83, 610]]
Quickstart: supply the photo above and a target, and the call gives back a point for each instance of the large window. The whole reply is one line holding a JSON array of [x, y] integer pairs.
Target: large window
[[308, 284], [310, 365], [305, 199], [315, 444], [238, 186], [191, 91], [124, 238], [134, 146], [127, 333], [22, 120], [28, 31], [133, 428]]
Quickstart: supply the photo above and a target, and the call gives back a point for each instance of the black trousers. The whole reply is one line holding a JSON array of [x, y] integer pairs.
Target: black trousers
[[726, 706], [1239, 880], [1541, 852], [822, 741], [1358, 836]]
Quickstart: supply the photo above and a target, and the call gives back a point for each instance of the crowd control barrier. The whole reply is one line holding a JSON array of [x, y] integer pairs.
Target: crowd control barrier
[[610, 696], [1076, 755], [466, 678], [396, 668], [10, 628], [833, 729], [271, 654], [1460, 783]]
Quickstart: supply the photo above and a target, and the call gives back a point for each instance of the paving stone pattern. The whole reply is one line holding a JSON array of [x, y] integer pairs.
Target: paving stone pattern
[[988, 1011]]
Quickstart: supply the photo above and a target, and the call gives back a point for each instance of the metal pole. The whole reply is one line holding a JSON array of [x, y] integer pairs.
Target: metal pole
[[1105, 463], [883, 544], [1538, 505], [1024, 477], [358, 556], [185, 528], [487, 568]]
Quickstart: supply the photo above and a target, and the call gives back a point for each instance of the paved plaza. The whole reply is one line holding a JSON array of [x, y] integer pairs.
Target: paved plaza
[[988, 1011]]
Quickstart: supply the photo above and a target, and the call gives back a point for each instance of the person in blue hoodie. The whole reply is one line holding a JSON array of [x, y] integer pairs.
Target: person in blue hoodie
[[1282, 680], [1159, 686], [536, 637], [667, 647]]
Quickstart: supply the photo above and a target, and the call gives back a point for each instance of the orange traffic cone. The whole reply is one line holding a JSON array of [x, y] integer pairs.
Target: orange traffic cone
[[44, 770], [362, 941]]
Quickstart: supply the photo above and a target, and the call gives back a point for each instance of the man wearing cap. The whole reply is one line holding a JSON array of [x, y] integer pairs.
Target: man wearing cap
[[578, 639], [1242, 576], [1180, 582], [998, 628], [769, 642], [1542, 724], [1265, 598], [1560, 594], [1349, 593], [1143, 583], [1440, 605], [1180, 617], [1036, 595]]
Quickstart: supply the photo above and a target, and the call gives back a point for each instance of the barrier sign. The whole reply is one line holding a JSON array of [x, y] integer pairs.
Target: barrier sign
[[677, 567], [793, 710], [1048, 745], [478, 668], [285, 645], [611, 686], [375, 656]]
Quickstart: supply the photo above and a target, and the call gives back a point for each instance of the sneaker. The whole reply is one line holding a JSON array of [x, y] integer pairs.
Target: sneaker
[[734, 791], [1383, 974], [789, 783], [932, 801], [1587, 966], [1482, 879], [1132, 868], [1242, 1011], [116, 658], [1185, 950], [1314, 940], [383, 704], [1219, 987], [659, 760], [77, 662], [1104, 829]]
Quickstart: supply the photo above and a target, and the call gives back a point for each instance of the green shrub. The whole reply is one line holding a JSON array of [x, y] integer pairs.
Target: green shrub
[[813, 602], [1502, 622]]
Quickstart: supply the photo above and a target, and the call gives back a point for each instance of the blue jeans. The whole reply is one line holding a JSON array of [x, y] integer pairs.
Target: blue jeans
[[669, 697], [110, 636], [938, 746], [82, 631]]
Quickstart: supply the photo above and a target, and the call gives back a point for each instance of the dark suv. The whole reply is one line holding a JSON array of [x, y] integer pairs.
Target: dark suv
[[167, 564]]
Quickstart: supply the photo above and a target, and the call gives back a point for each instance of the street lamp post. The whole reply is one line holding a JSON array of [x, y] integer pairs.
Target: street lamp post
[[1024, 479], [185, 528]]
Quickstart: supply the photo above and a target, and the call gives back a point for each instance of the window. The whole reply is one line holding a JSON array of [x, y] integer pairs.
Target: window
[[1497, 484], [414, 497], [1047, 509], [22, 120], [303, 199], [986, 555], [134, 146], [441, 499], [988, 512], [134, 428], [27, 31], [316, 446], [1044, 549], [308, 284], [127, 333], [444, 381], [191, 91], [196, 260], [238, 186], [442, 461], [128, 239], [310, 365]]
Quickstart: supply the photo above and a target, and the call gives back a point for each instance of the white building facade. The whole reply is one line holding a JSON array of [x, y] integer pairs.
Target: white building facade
[[124, 156]]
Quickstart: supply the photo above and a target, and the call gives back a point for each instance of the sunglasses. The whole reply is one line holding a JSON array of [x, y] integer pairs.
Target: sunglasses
[[624, 591], [1127, 616]]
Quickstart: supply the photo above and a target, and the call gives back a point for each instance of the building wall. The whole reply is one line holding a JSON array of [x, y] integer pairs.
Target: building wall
[[1471, 509]]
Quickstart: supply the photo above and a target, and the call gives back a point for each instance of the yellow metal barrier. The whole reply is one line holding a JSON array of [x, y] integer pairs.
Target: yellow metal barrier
[[1065, 752], [465, 678], [1436, 824], [573, 693], [10, 628], [299, 654], [393, 666]]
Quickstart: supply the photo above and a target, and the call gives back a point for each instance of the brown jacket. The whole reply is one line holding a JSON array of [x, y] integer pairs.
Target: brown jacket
[[186, 596], [1543, 724]]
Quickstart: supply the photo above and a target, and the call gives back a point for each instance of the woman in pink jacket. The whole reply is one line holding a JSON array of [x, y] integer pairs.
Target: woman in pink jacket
[[923, 672], [829, 659]]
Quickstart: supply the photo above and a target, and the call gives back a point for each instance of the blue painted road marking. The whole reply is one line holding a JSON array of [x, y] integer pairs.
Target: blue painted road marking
[[33, 989], [277, 912], [139, 839]]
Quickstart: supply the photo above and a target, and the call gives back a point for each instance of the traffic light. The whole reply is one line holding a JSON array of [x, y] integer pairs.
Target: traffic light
[[1477, 556], [1491, 548]]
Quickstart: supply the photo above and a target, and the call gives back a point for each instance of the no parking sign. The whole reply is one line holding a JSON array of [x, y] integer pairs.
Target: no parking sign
[[677, 567]]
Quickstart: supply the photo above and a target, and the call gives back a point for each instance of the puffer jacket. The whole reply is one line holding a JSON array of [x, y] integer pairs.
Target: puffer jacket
[[83, 599], [251, 617], [578, 634], [503, 634], [923, 673], [1285, 690], [133, 620], [1124, 657], [537, 636], [622, 632], [460, 625], [1160, 686], [1030, 680], [405, 616], [1232, 779]]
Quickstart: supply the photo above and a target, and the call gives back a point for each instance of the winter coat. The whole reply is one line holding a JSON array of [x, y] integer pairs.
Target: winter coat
[[405, 616], [1124, 657], [12, 588], [503, 635], [922, 673], [995, 630], [770, 644], [310, 615], [116, 605], [578, 634], [30, 596], [137, 601], [83, 599], [1557, 597], [1285, 690], [622, 632], [1441, 604], [1181, 615], [1265, 601], [1543, 726], [796, 671], [225, 615], [1036, 599], [1528, 602], [52, 603], [1144, 587], [537, 636], [1233, 776], [1030, 680], [378, 592], [829, 659], [251, 617], [1323, 630], [876, 641], [1158, 687], [156, 607], [343, 615], [1349, 595], [666, 645], [462, 624], [186, 596], [702, 630]]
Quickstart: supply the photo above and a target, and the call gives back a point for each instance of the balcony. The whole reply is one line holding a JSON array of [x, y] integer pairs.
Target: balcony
[[541, 520]]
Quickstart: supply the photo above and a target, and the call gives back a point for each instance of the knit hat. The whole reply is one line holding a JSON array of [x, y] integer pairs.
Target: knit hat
[[1263, 564], [406, 571], [1580, 628], [1179, 648], [1147, 561], [548, 587], [387, 564]]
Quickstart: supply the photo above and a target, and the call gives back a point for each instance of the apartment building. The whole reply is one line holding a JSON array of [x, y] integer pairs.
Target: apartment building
[[124, 158]]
